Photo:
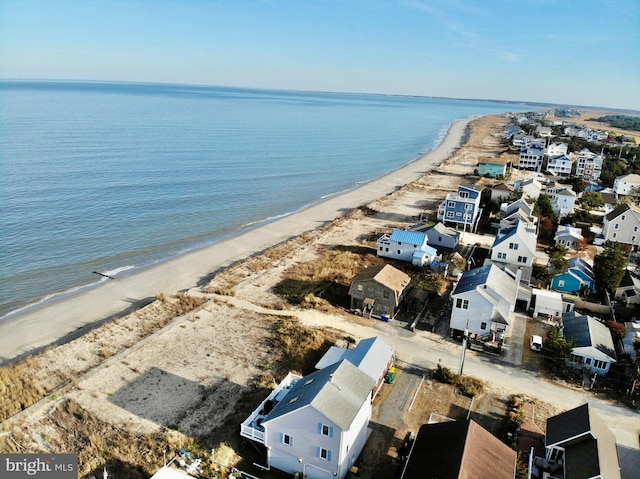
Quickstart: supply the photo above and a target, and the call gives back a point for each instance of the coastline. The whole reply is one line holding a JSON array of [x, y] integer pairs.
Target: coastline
[[68, 318]]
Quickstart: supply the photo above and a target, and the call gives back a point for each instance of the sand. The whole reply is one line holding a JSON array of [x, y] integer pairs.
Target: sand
[[68, 318]]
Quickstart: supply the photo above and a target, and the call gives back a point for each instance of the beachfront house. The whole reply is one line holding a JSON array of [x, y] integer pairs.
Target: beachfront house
[[378, 290], [483, 301], [593, 345], [626, 184], [578, 445], [622, 225], [493, 169], [628, 291], [578, 277], [314, 426], [441, 237], [555, 149], [569, 237], [371, 355], [458, 449], [409, 246], [588, 165], [462, 208]]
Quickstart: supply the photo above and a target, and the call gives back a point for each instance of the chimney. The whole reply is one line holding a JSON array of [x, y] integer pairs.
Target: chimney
[[519, 275]]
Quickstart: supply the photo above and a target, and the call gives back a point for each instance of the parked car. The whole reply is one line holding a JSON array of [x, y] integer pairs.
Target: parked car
[[535, 343]]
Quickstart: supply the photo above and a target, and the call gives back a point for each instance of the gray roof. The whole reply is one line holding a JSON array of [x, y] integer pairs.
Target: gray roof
[[590, 447], [491, 276], [337, 392], [371, 355], [588, 332]]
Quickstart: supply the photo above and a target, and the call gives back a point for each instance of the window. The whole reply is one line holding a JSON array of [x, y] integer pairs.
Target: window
[[462, 303], [399, 251], [522, 259], [615, 226], [451, 204], [513, 246], [468, 207], [287, 440], [615, 234], [599, 364], [360, 287], [575, 358], [324, 454], [458, 213], [635, 228], [561, 283], [450, 214], [385, 294], [463, 194], [622, 218], [324, 430], [467, 217], [439, 238], [483, 326]]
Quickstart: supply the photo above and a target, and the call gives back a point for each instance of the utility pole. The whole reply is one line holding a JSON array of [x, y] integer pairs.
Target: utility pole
[[464, 348]]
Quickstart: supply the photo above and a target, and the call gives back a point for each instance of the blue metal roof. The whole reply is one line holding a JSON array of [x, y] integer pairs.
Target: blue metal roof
[[409, 237]]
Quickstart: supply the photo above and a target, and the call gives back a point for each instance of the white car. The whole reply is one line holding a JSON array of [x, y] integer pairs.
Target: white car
[[535, 343]]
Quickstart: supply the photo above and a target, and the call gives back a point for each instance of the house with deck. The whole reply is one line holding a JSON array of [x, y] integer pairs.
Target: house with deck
[[593, 345], [462, 208], [626, 184], [441, 237], [316, 425], [578, 277], [588, 165], [531, 156], [622, 225], [578, 445], [555, 149], [483, 301], [560, 165], [411, 246], [379, 290], [458, 449], [371, 355]]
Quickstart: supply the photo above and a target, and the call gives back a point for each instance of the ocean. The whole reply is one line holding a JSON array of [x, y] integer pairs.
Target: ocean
[[113, 177]]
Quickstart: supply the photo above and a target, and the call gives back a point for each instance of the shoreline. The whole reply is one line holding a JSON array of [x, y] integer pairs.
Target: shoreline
[[70, 317]]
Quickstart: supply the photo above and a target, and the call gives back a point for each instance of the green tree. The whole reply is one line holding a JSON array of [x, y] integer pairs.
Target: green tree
[[609, 267], [543, 205], [591, 200], [557, 259], [556, 345]]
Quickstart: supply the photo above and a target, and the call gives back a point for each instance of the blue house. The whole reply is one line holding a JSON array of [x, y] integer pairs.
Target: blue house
[[492, 169], [579, 275], [463, 207]]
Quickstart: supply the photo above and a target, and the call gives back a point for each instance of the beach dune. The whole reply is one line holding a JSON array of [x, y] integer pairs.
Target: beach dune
[[64, 319]]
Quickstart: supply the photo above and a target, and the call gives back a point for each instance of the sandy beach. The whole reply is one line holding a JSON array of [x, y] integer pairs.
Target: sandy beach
[[66, 319]]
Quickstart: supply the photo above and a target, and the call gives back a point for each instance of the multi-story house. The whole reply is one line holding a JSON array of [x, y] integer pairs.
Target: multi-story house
[[569, 237], [578, 277], [379, 289], [515, 245], [588, 165], [463, 207], [564, 202], [483, 301], [626, 184], [593, 348], [559, 165], [314, 426], [531, 156], [555, 149], [531, 188], [622, 225]]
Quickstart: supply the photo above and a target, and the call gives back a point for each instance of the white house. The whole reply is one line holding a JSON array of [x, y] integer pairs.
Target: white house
[[519, 204], [564, 202], [544, 132], [501, 192], [588, 165], [407, 246], [626, 184], [559, 165], [483, 300], [628, 290], [622, 225], [516, 245], [371, 355], [555, 149], [315, 426], [593, 345], [569, 237], [550, 304], [441, 237], [531, 188]]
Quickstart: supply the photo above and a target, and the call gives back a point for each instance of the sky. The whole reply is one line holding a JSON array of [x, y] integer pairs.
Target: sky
[[583, 52]]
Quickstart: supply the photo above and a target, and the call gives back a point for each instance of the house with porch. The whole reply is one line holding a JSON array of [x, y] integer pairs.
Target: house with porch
[[379, 290], [408, 246], [588, 165], [622, 225], [578, 277], [483, 301], [462, 208], [569, 237], [371, 355], [531, 156], [458, 449], [578, 445], [593, 345], [559, 165], [315, 425], [555, 149]]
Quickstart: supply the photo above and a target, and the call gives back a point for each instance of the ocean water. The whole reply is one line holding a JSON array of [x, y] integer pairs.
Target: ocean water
[[113, 177]]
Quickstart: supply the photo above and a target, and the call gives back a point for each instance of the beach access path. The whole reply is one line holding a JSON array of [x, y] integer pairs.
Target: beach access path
[[67, 318]]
